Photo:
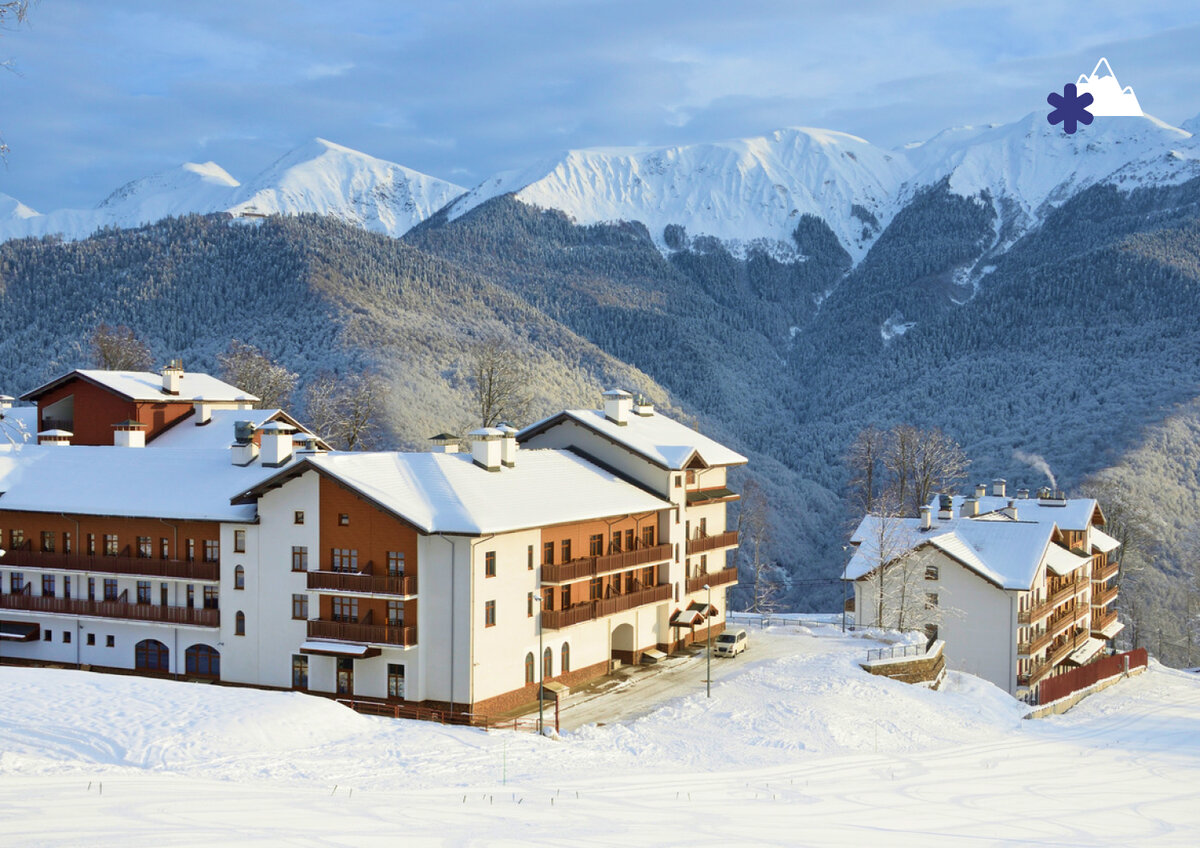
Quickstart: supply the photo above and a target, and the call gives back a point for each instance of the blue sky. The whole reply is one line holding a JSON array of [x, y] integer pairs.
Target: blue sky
[[108, 92]]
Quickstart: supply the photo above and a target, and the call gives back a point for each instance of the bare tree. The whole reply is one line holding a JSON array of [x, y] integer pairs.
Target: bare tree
[[12, 13], [899, 459], [500, 381], [899, 585], [754, 535], [248, 368], [865, 459], [343, 410], [905, 466], [938, 464], [119, 349]]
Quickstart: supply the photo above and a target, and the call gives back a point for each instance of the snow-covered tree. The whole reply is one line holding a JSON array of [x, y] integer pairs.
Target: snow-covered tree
[[247, 367]]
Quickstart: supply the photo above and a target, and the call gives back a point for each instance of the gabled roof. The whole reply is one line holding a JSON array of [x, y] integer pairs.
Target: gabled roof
[[1069, 514], [218, 432], [147, 386], [659, 439], [449, 493], [134, 482]]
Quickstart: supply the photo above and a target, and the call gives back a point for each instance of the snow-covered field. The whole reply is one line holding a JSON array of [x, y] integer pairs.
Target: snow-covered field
[[797, 746]]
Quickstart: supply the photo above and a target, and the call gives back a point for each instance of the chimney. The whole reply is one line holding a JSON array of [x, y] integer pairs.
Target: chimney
[[643, 407], [6, 402], [970, 508], [172, 377], [926, 518], [129, 434], [617, 405], [444, 443], [1011, 510], [998, 487], [945, 507], [1044, 493], [485, 447], [980, 490], [243, 451], [55, 437], [508, 445], [276, 443], [306, 443], [1023, 494], [202, 410]]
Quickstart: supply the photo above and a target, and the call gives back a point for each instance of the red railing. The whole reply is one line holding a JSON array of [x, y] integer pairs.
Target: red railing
[[114, 609], [710, 543], [580, 569], [376, 634], [556, 619], [487, 722], [147, 566], [712, 578], [348, 581], [1080, 678]]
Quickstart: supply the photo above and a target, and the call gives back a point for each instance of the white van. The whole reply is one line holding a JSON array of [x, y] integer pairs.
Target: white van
[[731, 643]]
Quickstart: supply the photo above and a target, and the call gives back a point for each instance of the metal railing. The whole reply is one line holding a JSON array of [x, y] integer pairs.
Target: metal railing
[[712, 578], [376, 634], [591, 566], [896, 651], [590, 610], [114, 609], [349, 581], [148, 566], [727, 539]]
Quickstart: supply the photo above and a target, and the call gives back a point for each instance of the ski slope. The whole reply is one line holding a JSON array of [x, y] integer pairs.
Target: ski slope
[[797, 746]]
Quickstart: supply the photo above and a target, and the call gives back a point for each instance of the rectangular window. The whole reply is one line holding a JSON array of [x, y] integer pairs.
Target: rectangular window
[[547, 553], [18, 539], [931, 600], [629, 540], [163, 595], [91, 588], [529, 562], [164, 548], [931, 572], [566, 550], [344, 559], [489, 614], [110, 641], [529, 605], [596, 544], [66, 543], [143, 591], [298, 517], [110, 589], [67, 587], [691, 478], [239, 541], [299, 671], [395, 563], [395, 613], [48, 586], [299, 558], [67, 636], [489, 564], [191, 596], [647, 576], [703, 528], [566, 597], [91, 544], [91, 638], [212, 598], [548, 598], [110, 544], [648, 536], [616, 542], [47, 635], [395, 681], [345, 610], [48, 541], [144, 549], [212, 550], [704, 563], [16, 582], [594, 589], [191, 550], [343, 519], [678, 481], [300, 606]]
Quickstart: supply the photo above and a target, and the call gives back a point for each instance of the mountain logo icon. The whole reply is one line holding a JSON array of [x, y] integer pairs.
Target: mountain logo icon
[[1109, 100]]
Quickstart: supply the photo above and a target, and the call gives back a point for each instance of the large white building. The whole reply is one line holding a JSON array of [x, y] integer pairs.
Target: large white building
[[1019, 589], [229, 543]]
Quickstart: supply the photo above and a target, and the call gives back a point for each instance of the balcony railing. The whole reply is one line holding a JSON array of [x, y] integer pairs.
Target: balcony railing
[[1104, 572], [375, 634], [580, 569], [114, 609], [590, 610], [146, 566], [1040, 669], [1104, 597], [711, 543], [712, 578], [348, 581], [1099, 622], [1039, 610], [1059, 622]]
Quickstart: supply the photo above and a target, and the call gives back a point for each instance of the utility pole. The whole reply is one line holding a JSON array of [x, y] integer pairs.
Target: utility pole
[[708, 672]]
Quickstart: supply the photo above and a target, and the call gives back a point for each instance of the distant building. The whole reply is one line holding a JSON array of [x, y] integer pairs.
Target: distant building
[[1019, 589], [229, 543]]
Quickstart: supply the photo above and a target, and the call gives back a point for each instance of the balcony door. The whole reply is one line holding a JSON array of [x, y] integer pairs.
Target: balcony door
[[345, 676]]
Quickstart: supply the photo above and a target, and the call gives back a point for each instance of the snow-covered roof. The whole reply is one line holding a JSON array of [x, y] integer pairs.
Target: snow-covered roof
[[218, 432], [1101, 541], [660, 439], [449, 493], [136, 482], [1062, 562], [1070, 514], [147, 386], [1006, 553]]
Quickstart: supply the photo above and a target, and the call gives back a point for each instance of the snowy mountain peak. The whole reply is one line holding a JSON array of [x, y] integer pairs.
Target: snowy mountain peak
[[13, 209]]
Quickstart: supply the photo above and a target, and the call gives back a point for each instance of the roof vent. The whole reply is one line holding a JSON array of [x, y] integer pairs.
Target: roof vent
[[970, 508], [926, 518], [203, 411], [172, 377], [643, 407], [617, 405], [55, 437], [6, 401], [485, 447], [508, 445], [980, 490], [276, 440], [243, 451], [129, 434], [998, 487], [1023, 494], [945, 507], [444, 443]]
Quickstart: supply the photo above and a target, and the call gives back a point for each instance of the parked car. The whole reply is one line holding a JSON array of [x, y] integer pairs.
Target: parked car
[[731, 643]]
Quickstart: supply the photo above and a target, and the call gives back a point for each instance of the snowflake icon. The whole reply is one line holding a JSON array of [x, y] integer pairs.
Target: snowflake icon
[[1070, 108]]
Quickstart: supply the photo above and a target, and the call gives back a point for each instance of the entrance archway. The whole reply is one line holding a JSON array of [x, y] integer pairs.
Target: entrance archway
[[624, 647]]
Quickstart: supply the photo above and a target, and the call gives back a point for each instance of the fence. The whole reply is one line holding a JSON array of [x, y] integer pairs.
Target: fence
[[486, 722], [896, 651], [1080, 678]]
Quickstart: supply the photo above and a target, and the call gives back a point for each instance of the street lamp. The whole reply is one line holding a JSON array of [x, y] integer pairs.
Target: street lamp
[[708, 673], [541, 664]]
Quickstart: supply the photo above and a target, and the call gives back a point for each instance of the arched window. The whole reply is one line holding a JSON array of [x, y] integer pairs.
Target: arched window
[[151, 655], [565, 658], [239, 628], [547, 664], [529, 668], [239, 578], [203, 659]]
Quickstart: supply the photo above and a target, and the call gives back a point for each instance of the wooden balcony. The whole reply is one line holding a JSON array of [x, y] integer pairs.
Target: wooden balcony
[[585, 567], [351, 582], [1040, 669], [1043, 608], [1060, 621], [373, 634], [140, 566], [1104, 572], [114, 609], [712, 578], [1099, 622], [711, 543], [1104, 597], [591, 610]]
